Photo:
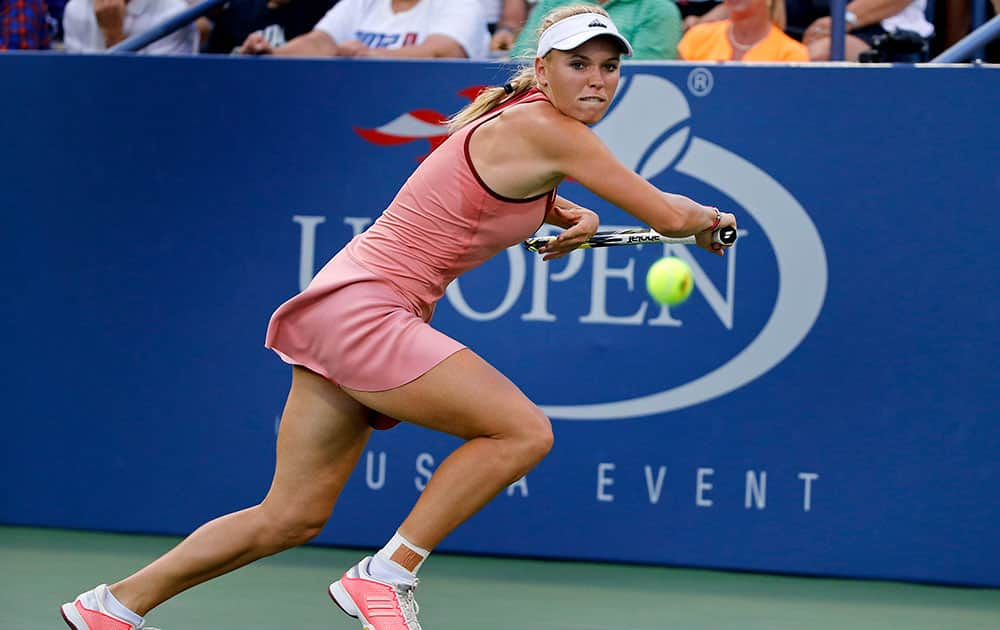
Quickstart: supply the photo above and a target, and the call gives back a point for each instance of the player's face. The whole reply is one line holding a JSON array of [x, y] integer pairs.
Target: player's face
[[581, 82]]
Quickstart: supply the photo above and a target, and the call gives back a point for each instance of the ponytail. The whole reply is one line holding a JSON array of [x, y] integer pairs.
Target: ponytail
[[489, 98]]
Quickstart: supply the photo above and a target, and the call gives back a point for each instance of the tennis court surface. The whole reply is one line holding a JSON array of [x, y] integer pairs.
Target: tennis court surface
[[44, 567]]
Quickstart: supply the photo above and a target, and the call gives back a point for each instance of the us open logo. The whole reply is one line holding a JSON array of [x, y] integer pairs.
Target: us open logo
[[801, 259], [665, 142]]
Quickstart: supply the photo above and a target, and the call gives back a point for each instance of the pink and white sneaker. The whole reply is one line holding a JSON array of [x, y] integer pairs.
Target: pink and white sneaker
[[378, 605], [87, 612]]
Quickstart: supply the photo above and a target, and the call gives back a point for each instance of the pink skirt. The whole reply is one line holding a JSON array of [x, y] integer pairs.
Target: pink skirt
[[357, 330]]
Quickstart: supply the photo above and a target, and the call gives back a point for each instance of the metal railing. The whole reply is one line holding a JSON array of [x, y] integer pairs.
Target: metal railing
[[838, 29], [972, 44], [166, 27]]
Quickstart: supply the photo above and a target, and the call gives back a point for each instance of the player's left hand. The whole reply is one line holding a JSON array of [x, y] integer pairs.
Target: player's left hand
[[581, 222]]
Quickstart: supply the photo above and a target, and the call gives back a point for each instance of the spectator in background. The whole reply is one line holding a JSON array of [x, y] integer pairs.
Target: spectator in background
[[23, 25], [652, 26], [96, 25], [56, 8], [708, 11], [953, 20], [753, 32], [694, 9], [388, 28], [242, 17], [505, 19], [866, 20]]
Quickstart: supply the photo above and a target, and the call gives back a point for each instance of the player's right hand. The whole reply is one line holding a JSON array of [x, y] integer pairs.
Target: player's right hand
[[256, 44], [706, 240]]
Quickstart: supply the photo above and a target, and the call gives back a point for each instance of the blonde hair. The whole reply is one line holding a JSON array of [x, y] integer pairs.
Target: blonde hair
[[523, 78]]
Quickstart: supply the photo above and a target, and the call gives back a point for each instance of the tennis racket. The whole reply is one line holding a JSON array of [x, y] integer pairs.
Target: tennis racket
[[634, 236]]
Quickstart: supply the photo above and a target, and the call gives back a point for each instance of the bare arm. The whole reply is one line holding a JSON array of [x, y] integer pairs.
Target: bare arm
[[578, 222], [513, 14], [571, 149], [512, 18], [313, 44], [110, 16], [434, 46], [874, 11], [576, 152], [557, 214], [867, 11]]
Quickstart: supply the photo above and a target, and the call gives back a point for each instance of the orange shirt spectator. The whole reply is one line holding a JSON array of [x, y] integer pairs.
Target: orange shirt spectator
[[713, 41]]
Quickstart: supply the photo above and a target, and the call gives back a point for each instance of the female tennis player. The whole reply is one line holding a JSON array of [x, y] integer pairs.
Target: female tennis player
[[363, 354]]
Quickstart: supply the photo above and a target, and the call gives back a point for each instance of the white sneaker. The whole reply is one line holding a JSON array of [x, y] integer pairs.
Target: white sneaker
[[376, 604], [87, 612]]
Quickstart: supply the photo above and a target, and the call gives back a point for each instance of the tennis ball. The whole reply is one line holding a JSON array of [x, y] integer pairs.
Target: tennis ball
[[669, 280]]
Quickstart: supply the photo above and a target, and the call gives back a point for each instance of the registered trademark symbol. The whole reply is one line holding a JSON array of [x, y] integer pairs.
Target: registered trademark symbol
[[700, 82]]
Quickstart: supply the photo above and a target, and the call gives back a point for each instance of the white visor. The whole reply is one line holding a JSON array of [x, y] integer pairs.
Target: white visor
[[568, 33]]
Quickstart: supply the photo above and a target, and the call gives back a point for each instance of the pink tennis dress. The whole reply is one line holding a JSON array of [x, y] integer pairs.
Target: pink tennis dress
[[362, 321]]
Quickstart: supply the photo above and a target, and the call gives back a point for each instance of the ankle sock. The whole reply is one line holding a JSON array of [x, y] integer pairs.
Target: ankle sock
[[384, 566], [103, 599]]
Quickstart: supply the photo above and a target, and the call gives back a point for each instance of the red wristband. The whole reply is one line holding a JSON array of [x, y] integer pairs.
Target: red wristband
[[718, 220]]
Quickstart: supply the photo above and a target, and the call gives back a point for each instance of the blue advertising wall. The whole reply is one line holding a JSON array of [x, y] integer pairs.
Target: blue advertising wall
[[826, 402]]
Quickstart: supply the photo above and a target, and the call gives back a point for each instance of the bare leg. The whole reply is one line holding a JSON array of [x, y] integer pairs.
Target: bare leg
[[507, 435], [322, 434]]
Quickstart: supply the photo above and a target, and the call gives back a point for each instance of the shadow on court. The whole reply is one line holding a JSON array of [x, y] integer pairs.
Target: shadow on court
[[44, 567]]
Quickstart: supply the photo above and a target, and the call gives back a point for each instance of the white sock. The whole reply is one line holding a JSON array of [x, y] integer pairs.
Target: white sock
[[109, 603], [384, 567]]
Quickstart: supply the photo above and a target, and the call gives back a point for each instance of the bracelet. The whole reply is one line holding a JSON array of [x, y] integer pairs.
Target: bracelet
[[718, 220], [504, 28]]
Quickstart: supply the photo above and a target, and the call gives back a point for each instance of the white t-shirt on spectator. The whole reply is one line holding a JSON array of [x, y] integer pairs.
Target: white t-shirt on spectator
[[912, 18], [492, 10], [83, 35], [374, 23]]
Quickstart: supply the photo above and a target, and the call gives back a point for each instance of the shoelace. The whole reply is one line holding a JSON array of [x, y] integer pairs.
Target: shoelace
[[408, 604]]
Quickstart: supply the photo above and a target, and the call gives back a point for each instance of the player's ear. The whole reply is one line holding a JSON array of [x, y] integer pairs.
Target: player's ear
[[541, 77]]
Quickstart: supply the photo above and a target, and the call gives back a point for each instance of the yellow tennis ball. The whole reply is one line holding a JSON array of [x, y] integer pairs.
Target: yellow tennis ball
[[669, 280]]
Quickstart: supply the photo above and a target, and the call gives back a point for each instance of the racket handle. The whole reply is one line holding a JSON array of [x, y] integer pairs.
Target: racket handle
[[724, 236]]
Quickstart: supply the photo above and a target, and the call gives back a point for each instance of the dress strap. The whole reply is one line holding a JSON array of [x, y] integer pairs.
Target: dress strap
[[530, 96]]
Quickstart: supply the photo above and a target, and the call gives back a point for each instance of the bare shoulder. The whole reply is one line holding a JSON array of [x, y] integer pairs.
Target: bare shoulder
[[549, 131]]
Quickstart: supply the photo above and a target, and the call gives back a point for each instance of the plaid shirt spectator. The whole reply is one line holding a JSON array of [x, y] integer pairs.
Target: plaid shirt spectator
[[23, 25]]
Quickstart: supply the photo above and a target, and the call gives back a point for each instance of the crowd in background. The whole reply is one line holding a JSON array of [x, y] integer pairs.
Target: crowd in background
[[696, 30]]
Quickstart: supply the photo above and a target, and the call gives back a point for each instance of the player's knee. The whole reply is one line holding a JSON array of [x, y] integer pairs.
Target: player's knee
[[292, 528], [295, 533], [542, 440], [534, 439]]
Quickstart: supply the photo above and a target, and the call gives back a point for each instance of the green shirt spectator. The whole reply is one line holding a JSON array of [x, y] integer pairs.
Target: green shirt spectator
[[653, 27]]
